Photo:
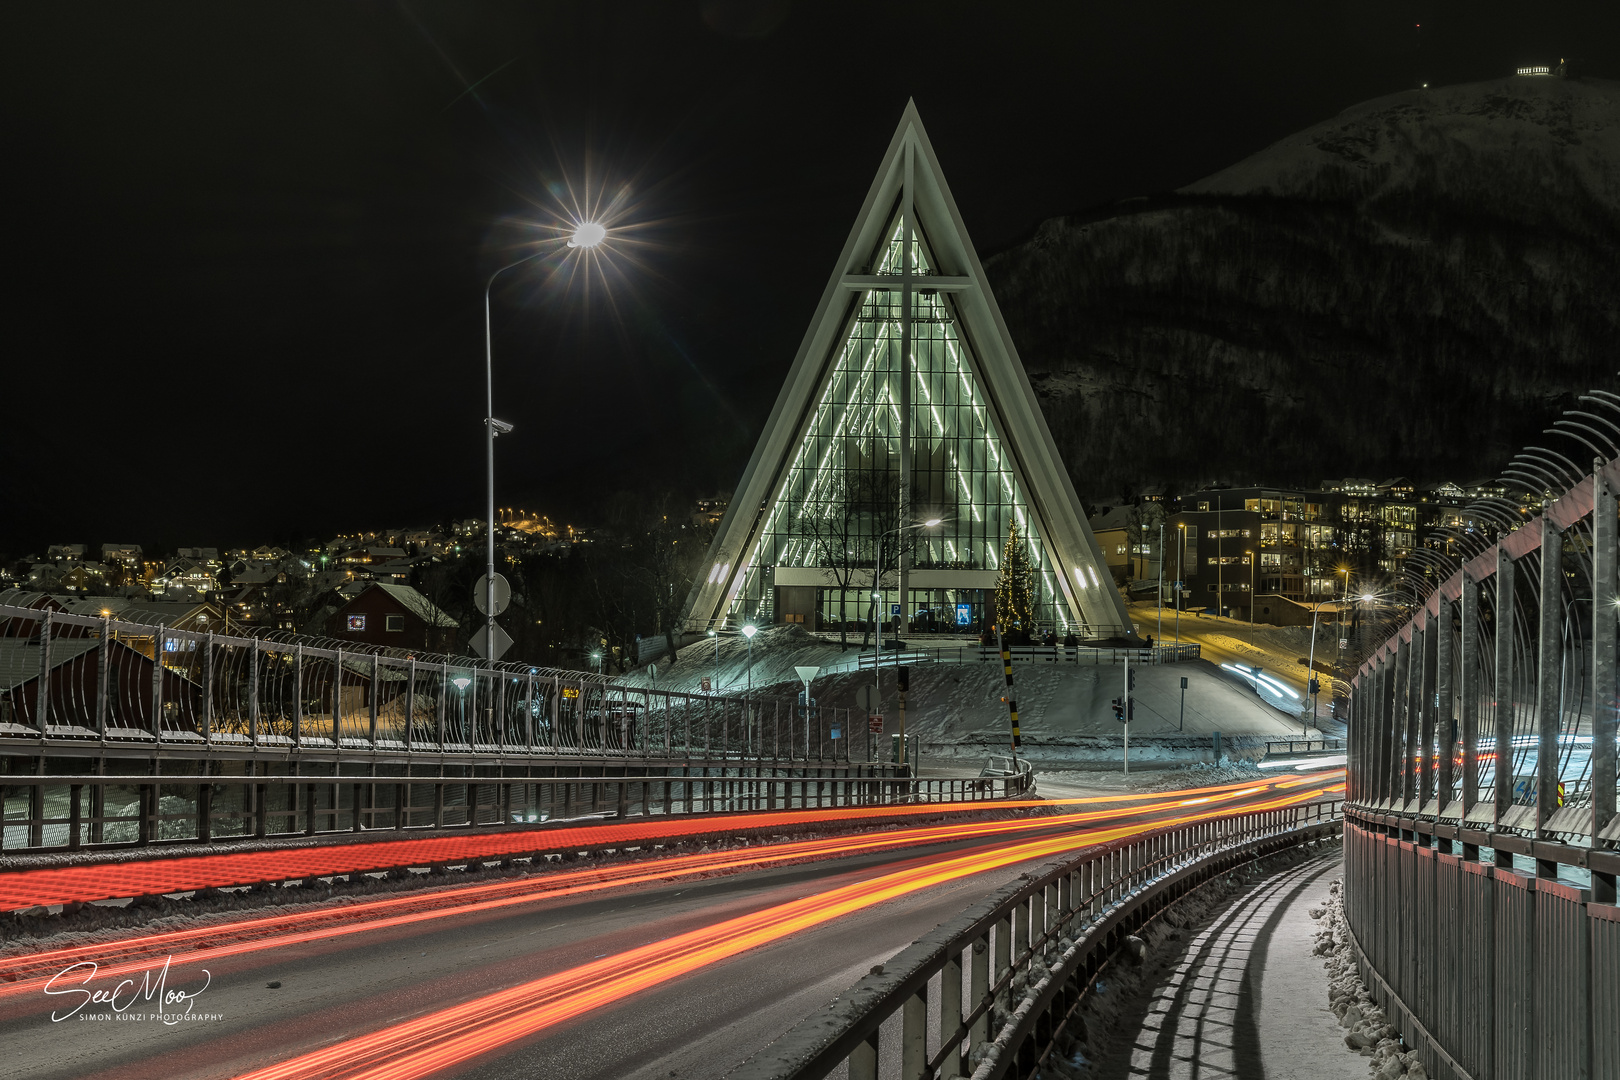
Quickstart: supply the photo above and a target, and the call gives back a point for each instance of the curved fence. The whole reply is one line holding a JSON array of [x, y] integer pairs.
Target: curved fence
[[1481, 870], [988, 994], [1081, 655], [73, 679]]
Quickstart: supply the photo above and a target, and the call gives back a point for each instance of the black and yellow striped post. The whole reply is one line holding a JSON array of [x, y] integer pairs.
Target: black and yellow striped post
[[1012, 706]]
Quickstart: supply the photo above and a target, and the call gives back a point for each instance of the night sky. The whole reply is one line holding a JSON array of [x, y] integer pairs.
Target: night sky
[[246, 243]]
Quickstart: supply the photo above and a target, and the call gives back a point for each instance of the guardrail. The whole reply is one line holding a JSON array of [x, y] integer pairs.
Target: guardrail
[[1083, 656], [1005, 977], [1302, 746], [1481, 880], [1484, 948], [72, 812], [71, 682]]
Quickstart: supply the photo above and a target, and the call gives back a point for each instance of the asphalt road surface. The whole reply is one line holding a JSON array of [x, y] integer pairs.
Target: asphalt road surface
[[263, 1007]]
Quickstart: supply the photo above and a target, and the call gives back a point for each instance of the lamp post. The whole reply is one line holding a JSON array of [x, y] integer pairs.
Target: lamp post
[[716, 684], [748, 632], [1254, 562], [586, 235], [1181, 580], [1161, 582], [877, 602], [461, 682]]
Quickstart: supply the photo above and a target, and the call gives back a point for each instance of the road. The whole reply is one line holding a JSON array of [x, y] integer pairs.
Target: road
[[552, 986], [1226, 641]]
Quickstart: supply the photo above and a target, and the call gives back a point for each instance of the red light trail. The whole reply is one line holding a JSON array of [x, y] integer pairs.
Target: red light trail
[[218, 940], [102, 881], [450, 1037]]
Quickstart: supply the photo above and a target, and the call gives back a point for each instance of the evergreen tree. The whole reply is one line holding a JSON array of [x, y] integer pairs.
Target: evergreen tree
[[1015, 589]]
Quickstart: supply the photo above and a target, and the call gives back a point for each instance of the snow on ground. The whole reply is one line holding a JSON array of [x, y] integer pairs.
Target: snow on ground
[[957, 710]]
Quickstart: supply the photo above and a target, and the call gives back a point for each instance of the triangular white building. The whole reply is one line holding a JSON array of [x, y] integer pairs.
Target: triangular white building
[[862, 449]]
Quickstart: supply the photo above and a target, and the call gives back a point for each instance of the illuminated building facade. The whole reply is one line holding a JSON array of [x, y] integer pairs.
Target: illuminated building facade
[[905, 447]]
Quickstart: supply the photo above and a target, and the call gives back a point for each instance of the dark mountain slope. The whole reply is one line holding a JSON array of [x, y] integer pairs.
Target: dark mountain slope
[[1411, 288]]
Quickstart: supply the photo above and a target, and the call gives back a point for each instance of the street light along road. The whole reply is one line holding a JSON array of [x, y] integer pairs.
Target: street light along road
[[491, 641]]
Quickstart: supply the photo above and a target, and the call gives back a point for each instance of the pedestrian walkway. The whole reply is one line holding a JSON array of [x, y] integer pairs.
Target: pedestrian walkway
[[1246, 998]]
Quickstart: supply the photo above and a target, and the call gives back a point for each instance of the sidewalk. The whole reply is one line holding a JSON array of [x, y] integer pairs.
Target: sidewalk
[[1245, 997]]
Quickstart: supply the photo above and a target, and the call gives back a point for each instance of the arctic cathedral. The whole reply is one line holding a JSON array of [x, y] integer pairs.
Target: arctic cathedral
[[907, 450]]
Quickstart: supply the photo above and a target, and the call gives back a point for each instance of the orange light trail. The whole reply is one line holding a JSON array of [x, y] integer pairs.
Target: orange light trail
[[212, 942], [450, 1037]]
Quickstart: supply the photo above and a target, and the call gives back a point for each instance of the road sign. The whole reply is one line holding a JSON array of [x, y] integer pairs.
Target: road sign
[[868, 698], [874, 724], [706, 686], [503, 594], [570, 691], [964, 614], [480, 645], [835, 732], [894, 609], [1344, 643]]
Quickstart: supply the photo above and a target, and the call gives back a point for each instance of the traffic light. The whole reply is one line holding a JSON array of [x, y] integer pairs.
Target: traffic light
[[1130, 710], [904, 675], [1130, 680], [1316, 686], [1119, 709]]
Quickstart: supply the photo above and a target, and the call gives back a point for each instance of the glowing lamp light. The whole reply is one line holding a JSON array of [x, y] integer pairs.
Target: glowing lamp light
[[749, 631], [1367, 596], [588, 235], [931, 522], [461, 682]]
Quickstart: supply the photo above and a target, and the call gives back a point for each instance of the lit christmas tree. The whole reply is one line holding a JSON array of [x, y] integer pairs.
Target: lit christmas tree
[[1015, 589]]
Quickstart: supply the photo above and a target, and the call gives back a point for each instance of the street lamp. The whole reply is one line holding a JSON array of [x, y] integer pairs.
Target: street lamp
[[716, 684], [1254, 562], [748, 632], [877, 603], [461, 682], [1180, 579], [586, 235], [596, 658]]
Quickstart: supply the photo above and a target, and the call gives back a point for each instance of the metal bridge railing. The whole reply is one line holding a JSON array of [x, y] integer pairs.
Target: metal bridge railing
[[75, 681], [1004, 978], [1481, 871], [74, 812], [1084, 656]]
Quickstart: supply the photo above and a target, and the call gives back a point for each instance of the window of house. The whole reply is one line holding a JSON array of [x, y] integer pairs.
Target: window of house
[[356, 622], [395, 623]]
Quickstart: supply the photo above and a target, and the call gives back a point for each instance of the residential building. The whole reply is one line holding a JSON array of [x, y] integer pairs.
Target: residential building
[[395, 616]]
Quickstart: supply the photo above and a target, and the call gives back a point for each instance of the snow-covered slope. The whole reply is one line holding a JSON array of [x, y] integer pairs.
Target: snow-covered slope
[[1411, 288], [1494, 141]]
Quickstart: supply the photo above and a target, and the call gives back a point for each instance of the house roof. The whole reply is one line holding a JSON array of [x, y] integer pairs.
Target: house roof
[[417, 604], [19, 657], [28, 599], [1109, 520]]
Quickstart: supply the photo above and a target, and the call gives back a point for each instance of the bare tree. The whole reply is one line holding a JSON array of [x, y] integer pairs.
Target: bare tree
[[833, 533]]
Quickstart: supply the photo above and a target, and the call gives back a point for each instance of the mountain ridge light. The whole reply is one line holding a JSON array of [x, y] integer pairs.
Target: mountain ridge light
[[587, 235]]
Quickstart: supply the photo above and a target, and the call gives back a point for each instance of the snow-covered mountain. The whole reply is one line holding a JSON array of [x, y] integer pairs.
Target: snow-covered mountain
[[1411, 288]]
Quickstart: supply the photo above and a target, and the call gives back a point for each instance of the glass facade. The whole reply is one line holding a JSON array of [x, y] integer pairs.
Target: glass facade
[[837, 508]]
